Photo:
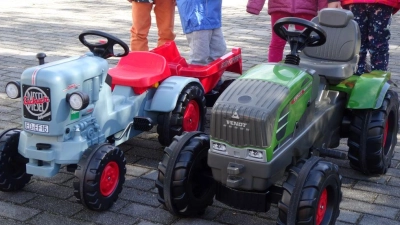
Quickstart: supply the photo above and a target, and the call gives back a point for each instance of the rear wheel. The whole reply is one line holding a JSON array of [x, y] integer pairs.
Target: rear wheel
[[100, 175], [373, 136], [185, 183], [311, 194], [189, 115], [13, 174]]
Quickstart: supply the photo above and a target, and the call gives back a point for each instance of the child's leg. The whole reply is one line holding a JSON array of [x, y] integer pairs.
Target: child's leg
[[379, 35], [217, 45], [141, 21], [360, 16], [165, 15], [198, 44], [277, 44]]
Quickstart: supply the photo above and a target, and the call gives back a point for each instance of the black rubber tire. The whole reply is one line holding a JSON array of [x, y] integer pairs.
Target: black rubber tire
[[214, 94], [87, 184], [320, 176], [367, 152], [185, 183], [171, 123], [13, 174]]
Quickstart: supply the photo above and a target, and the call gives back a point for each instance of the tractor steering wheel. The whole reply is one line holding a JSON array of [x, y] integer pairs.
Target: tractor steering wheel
[[299, 39], [104, 49]]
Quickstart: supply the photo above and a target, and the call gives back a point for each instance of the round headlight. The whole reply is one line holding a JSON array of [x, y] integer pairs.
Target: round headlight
[[78, 100], [13, 89]]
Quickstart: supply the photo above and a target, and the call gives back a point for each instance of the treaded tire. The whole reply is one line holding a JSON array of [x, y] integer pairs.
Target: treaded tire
[[13, 174], [185, 183], [373, 136], [183, 117], [309, 195], [99, 176], [214, 94]]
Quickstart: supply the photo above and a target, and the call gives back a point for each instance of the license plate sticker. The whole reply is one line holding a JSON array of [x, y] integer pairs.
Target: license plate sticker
[[37, 127]]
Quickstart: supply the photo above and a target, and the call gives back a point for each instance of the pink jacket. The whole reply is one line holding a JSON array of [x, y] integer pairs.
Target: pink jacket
[[296, 6]]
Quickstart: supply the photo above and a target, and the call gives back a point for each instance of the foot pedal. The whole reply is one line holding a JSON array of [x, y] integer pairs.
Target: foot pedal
[[332, 153], [142, 123]]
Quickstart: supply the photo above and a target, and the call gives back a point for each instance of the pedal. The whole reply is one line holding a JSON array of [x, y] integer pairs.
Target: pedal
[[142, 123], [332, 153]]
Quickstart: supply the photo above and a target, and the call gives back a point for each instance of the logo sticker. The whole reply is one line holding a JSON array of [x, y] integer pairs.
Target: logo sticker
[[235, 115], [36, 103]]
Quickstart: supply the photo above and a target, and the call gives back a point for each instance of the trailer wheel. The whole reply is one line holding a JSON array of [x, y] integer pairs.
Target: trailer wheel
[[100, 175], [373, 136], [311, 194], [185, 183], [189, 115], [13, 174]]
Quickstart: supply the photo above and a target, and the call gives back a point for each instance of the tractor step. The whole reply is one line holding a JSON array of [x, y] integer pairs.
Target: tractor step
[[331, 153], [142, 123]]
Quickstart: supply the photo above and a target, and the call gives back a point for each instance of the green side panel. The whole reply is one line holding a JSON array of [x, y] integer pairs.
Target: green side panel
[[346, 85], [369, 90], [292, 109]]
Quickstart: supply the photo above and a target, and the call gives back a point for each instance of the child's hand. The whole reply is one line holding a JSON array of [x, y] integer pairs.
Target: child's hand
[[334, 5]]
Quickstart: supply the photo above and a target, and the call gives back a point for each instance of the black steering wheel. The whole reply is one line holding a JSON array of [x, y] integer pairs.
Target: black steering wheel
[[103, 49], [299, 39]]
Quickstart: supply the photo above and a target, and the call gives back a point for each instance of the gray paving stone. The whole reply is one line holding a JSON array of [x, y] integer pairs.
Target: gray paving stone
[[195, 222], [55, 205], [50, 189], [375, 220], [16, 212], [388, 201], [348, 216], [136, 170], [359, 195], [139, 183], [233, 217], [19, 197], [364, 207], [47, 218], [148, 213], [106, 218], [138, 196], [6, 221]]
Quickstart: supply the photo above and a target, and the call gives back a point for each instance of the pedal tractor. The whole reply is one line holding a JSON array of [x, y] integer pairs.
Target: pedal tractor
[[283, 117], [76, 111]]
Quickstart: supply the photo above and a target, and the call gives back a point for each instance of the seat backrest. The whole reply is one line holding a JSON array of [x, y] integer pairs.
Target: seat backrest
[[343, 36]]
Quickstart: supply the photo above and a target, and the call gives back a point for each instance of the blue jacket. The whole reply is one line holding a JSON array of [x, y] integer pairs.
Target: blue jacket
[[199, 14]]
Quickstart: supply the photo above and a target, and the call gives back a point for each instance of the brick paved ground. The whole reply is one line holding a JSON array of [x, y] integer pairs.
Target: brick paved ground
[[52, 26]]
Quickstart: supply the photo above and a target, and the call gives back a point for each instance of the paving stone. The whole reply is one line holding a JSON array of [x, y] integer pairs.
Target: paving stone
[[143, 197], [364, 207], [148, 213], [195, 222], [233, 217], [375, 220], [16, 212], [55, 205], [348, 216], [136, 170], [106, 218], [50, 189], [47, 218], [6, 221], [139, 183], [359, 195], [19, 197]]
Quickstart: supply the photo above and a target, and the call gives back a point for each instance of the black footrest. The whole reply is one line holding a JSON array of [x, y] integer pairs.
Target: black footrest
[[332, 153], [142, 123]]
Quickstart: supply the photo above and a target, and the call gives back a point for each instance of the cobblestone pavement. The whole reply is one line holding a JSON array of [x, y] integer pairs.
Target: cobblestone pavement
[[52, 26]]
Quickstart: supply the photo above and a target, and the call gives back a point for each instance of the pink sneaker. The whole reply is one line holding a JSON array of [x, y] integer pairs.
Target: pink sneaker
[[255, 6]]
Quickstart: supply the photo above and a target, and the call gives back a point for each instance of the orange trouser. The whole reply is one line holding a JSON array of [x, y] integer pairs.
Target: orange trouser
[[141, 22]]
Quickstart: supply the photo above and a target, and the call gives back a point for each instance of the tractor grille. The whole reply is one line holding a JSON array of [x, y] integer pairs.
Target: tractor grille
[[244, 115]]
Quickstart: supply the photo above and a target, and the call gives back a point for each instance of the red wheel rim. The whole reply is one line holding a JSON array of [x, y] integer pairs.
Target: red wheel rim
[[109, 178], [385, 132], [322, 203], [191, 117]]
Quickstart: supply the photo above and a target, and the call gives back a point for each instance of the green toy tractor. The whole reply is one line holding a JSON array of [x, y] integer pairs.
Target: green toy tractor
[[280, 119]]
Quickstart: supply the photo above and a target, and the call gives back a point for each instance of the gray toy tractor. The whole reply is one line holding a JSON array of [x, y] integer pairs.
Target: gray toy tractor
[[279, 119], [76, 112]]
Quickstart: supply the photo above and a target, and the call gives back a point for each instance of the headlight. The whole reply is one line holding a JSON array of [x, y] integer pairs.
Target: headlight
[[13, 89], [258, 154], [219, 147], [78, 100]]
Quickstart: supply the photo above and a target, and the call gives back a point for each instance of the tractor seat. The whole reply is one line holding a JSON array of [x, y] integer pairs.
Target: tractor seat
[[337, 58], [140, 69]]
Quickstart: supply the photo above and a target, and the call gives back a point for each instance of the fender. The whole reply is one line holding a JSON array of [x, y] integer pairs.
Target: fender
[[167, 93], [369, 90]]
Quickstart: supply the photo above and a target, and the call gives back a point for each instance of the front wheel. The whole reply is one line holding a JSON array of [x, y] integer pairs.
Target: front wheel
[[13, 174], [100, 175], [311, 194], [373, 136], [189, 115], [185, 183]]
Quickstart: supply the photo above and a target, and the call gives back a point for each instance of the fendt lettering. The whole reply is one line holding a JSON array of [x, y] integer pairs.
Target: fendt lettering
[[236, 124]]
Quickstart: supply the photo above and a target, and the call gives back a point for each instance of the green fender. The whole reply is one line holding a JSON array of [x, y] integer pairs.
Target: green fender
[[369, 90]]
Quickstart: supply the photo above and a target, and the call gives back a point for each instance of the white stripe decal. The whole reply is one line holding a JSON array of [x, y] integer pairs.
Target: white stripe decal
[[34, 76]]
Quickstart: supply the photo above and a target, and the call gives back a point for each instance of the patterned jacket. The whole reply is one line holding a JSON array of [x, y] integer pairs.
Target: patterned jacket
[[393, 3]]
